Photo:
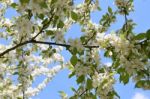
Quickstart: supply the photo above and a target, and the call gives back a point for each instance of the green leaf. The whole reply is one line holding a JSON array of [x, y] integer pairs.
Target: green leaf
[[116, 63], [15, 73], [124, 78], [19, 97], [74, 97], [55, 20], [148, 34], [140, 36], [43, 5], [73, 51], [74, 16], [74, 60], [87, 1], [83, 39], [60, 24], [72, 74], [89, 84], [14, 5], [53, 1], [31, 78], [110, 10], [49, 32], [142, 83], [116, 94], [62, 94], [73, 89], [106, 54], [24, 1], [45, 21], [121, 70], [99, 8], [139, 84], [41, 16], [80, 79], [102, 70]]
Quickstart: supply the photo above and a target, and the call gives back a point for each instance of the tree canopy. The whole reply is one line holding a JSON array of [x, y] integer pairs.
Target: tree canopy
[[35, 38]]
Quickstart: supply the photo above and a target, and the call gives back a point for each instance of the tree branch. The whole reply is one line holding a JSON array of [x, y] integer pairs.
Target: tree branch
[[90, 38], [83, 92], [10, 49], [40, 42], [59, 44]]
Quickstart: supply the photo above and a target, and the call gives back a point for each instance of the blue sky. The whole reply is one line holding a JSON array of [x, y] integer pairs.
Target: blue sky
[[61, 82]]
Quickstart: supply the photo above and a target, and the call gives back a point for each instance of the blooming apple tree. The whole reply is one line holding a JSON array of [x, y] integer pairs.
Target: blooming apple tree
[[35, 39]]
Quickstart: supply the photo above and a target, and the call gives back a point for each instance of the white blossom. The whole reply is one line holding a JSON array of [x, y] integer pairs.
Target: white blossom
[[76, 44], [25, 32]]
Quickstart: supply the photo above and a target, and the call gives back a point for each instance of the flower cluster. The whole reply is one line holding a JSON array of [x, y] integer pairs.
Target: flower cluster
[[76, 44], [104, 84], [82, 70], [29, 67], [125, 6], [123, 48], [25, 32]]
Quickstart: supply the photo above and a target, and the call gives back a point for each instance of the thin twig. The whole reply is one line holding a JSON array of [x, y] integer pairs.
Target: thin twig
[[43, 27], [83, 92]]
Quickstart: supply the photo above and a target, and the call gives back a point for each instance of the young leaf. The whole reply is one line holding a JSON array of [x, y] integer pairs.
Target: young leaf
[[140, 36], [124, 78], [49, 32], [72, 74], [89, 84], [60, 24], [148, 34], [74, 16], [14, 5], [80, 79], [110, 10], [24, 1], [74, 60]]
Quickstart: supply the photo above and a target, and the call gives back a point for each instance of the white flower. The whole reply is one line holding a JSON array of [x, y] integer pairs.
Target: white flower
[[59, 37], [23, 27], [82, 70], [100, 37], [7, 22], [35, 6], [76, 44], [58, 57], [43, 47], [59, 48], [94, 6], [8, 2]]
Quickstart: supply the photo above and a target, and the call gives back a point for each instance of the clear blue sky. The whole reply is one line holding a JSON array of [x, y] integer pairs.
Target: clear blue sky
[[141, 16]]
